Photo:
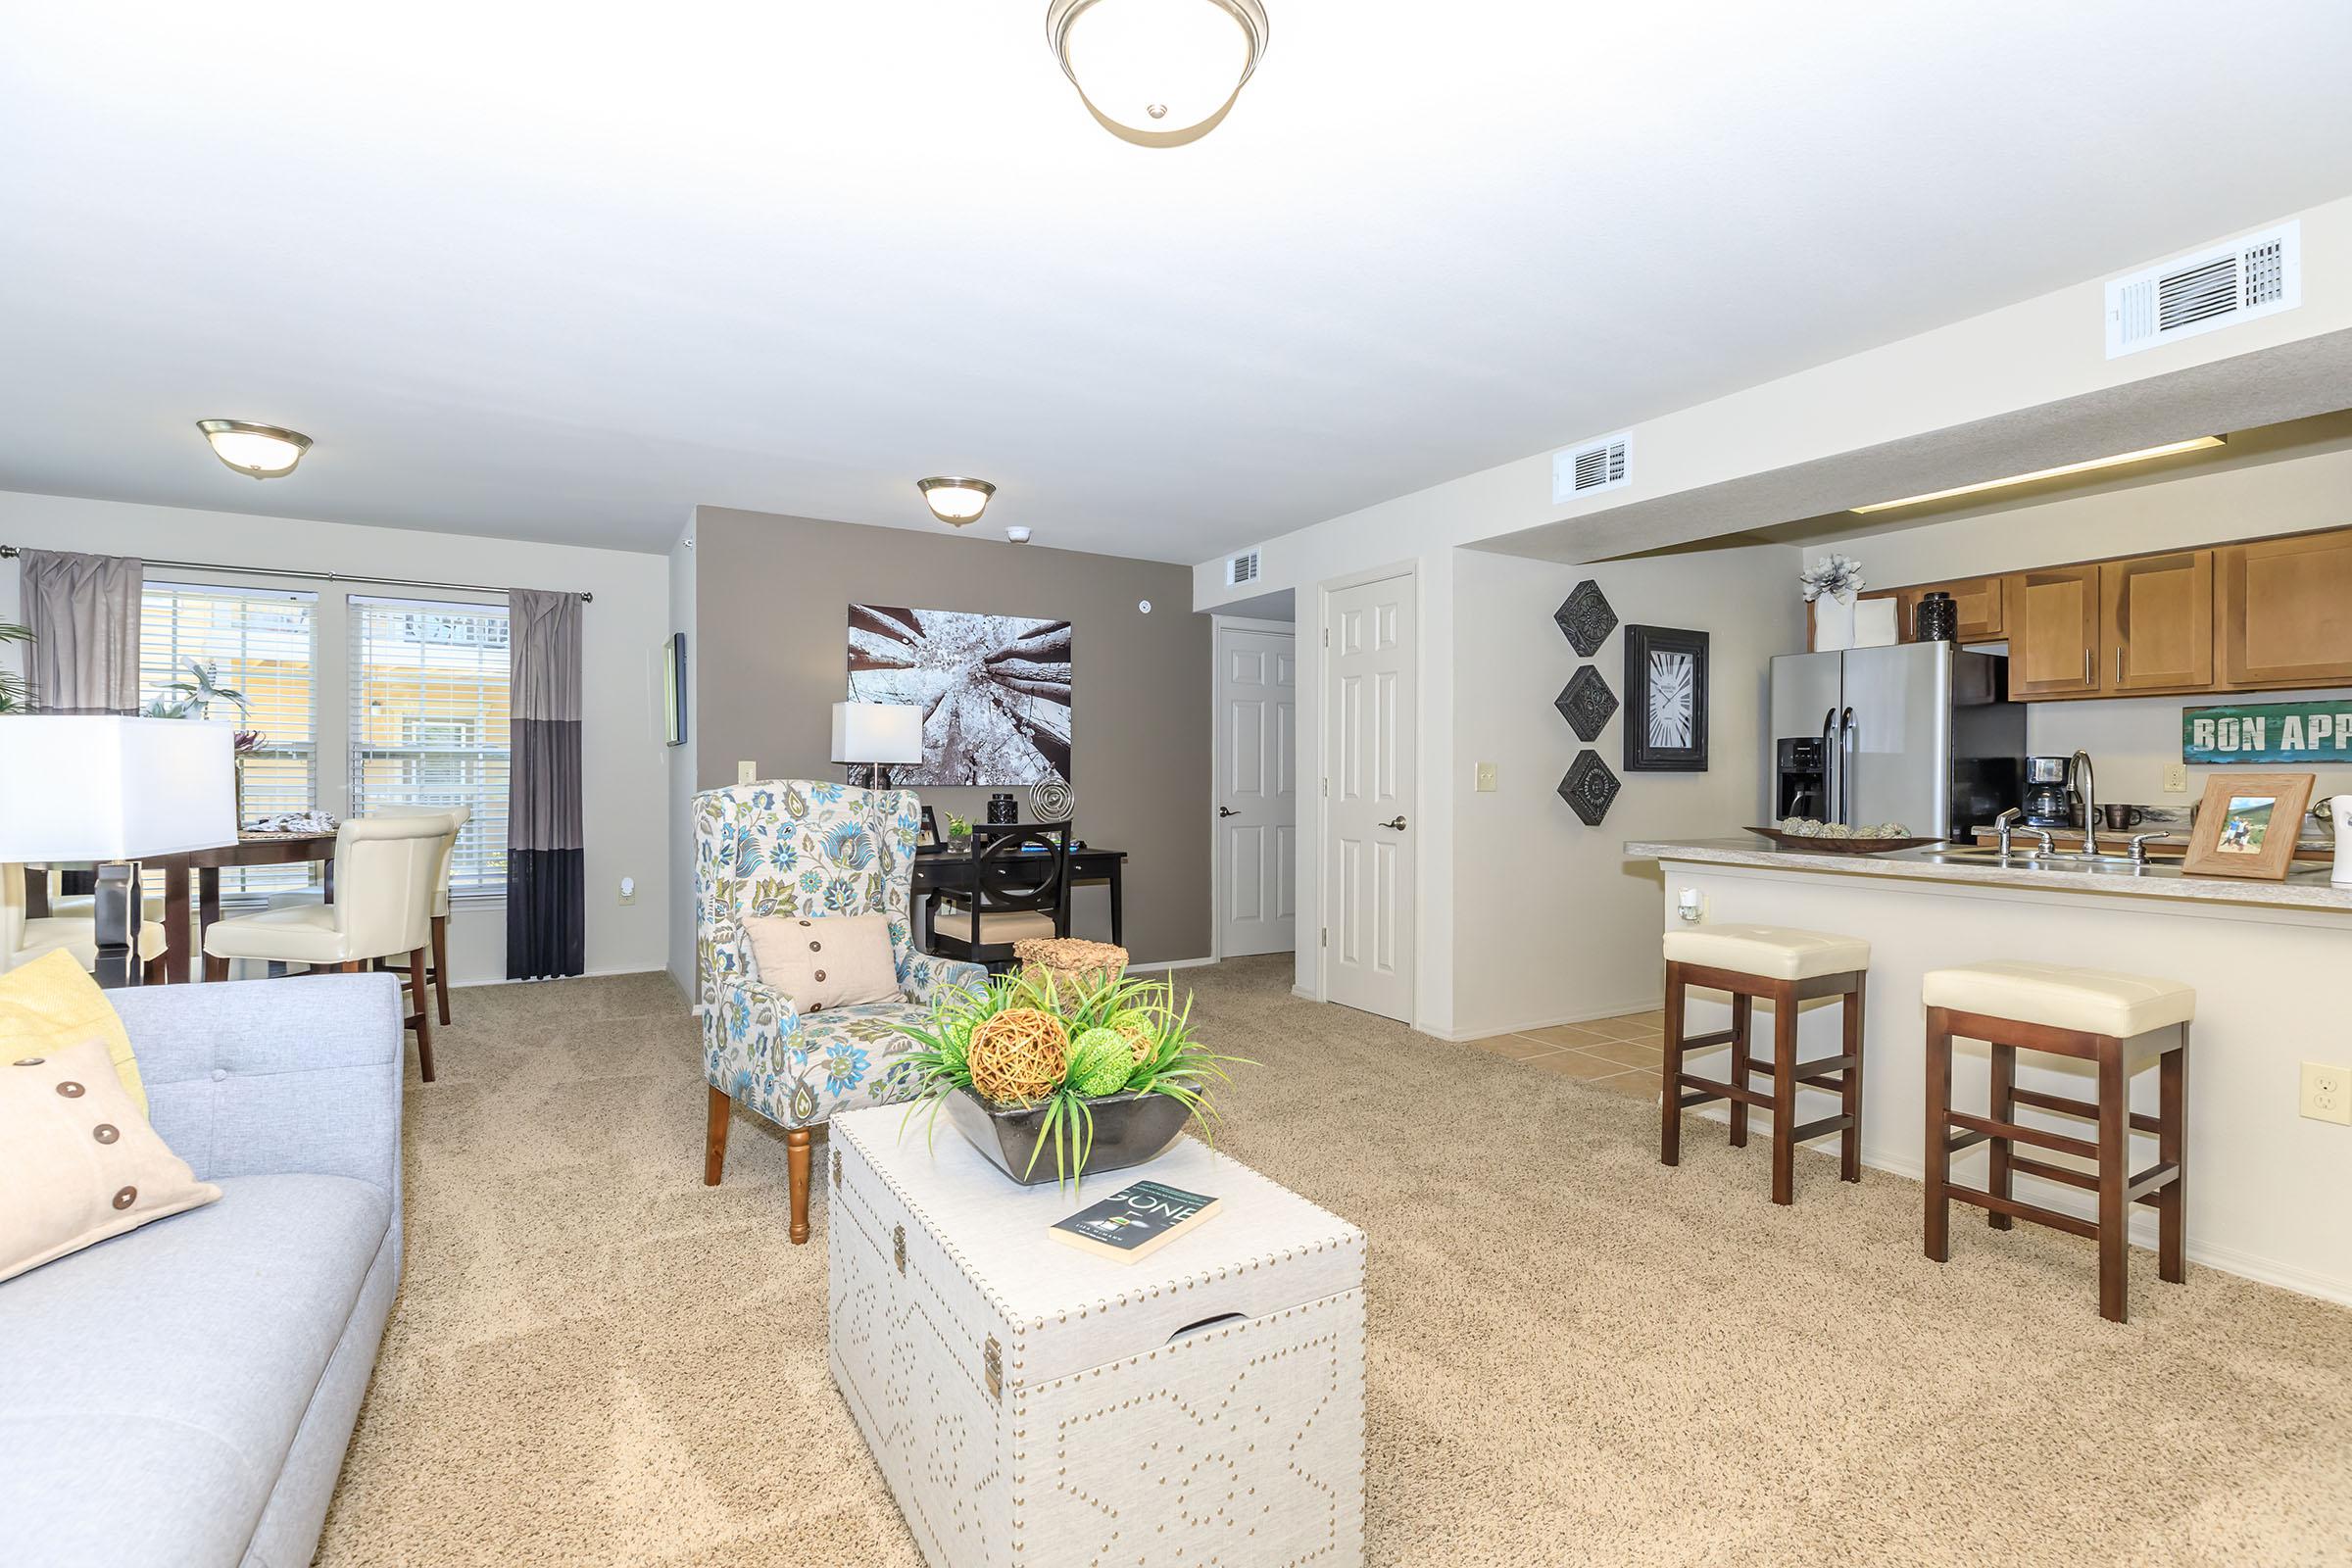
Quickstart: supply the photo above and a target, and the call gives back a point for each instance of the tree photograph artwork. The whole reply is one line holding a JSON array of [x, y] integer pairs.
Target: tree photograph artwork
[[995, 690]]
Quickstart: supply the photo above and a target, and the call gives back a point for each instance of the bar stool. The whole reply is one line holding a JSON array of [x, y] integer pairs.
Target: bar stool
[[1783, 966], [2091, 1015]]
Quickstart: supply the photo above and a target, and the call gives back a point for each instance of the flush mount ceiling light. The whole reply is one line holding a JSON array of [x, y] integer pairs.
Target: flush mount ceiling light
[[257, 451], [2086, 466], [1157, 72], [955, 502]]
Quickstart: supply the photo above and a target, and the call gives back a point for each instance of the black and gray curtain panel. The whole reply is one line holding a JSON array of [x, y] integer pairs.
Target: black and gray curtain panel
[[546, 895], [84, 614]]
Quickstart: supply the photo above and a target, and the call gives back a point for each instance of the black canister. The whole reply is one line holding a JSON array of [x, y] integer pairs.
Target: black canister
[[1003, 808], [1938, 620]]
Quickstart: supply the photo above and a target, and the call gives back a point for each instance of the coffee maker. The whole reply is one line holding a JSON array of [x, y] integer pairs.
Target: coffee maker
[[2051, 800]]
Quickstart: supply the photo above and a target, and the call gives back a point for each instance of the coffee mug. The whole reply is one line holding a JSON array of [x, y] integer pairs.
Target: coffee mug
[[2118, 818]]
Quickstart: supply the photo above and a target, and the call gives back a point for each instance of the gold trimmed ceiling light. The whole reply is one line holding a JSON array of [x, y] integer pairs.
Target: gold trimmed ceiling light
[[953, 501], [1157, 72], [257, 451]]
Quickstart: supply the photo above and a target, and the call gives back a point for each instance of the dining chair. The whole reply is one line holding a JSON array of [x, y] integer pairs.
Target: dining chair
[[438, 970], [1020, 888], [384, 872], [24, 937]]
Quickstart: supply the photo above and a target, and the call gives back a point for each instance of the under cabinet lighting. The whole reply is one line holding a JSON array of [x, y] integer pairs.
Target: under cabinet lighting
[[2086, 466]]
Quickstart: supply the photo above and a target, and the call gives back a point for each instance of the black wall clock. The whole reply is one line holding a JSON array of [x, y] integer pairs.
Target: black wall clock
[[1665, 700]]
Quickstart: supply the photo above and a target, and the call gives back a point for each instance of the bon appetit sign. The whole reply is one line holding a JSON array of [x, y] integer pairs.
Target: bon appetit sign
[[2267, 733]]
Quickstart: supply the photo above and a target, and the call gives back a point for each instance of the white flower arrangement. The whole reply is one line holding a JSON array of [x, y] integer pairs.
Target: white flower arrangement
[[1838, 576]]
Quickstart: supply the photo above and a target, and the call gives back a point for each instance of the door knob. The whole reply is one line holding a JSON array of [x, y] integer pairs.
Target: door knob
[[1227, 811], [1394, 822]]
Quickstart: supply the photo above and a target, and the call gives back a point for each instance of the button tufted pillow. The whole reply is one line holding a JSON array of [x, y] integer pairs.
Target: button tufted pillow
[[78, 1163], [821, 961]]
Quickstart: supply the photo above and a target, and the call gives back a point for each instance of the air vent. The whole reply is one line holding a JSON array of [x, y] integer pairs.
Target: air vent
[[2256, 276], [1595, 466], [1241, 568]]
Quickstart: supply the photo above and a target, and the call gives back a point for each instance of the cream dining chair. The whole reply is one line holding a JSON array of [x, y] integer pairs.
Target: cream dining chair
[[457, 816], [24, 937], [384, 869]]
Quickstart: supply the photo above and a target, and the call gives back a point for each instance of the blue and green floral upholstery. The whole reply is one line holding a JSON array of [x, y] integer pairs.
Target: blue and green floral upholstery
[[805, 848]]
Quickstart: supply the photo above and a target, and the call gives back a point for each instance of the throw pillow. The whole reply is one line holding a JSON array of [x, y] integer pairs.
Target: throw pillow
[[824, 961], [78, 1161], [52, 1003]]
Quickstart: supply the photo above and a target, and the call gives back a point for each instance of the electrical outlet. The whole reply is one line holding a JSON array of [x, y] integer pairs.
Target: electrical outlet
[[2327, 1093], [747, 772], [2175, 779], [629, 890], [1486, 776]]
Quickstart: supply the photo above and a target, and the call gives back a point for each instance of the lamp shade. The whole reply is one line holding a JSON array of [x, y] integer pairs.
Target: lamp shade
[[86, 788], [877, 732]]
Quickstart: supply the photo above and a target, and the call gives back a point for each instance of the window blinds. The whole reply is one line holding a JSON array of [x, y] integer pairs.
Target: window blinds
[[428, 721]]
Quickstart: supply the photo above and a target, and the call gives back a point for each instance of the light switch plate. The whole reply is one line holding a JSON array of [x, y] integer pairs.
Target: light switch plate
[[2327, 1093], [2175, 779], [747, 772], [1486, 776]]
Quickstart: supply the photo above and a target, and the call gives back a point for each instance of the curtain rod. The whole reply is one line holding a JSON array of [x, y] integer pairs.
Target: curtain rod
[[10, 552]]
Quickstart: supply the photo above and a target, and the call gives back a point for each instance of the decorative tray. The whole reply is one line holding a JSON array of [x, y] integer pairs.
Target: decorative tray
[[1838, 846]]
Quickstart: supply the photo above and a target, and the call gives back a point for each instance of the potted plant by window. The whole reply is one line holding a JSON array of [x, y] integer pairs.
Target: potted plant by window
[[14, 693], [1107, 1075]]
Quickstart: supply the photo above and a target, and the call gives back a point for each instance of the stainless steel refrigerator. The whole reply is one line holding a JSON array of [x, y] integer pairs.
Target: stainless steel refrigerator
[[1921, 733]]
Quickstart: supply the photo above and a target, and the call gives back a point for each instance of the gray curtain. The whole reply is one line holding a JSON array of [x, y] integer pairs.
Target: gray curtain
[[84, 614], [546, 883]]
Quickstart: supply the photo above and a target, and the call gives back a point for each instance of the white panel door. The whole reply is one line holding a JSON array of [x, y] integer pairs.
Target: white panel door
[[1369, 751], [1257, 793]]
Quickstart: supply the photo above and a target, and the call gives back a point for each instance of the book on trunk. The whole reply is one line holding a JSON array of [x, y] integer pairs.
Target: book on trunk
[[1135, 1221]]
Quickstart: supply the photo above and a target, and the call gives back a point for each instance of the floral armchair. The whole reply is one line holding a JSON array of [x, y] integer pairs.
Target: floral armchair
[[801, 846]]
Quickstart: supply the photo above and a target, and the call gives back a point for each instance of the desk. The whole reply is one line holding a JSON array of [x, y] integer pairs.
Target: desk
[[251, 848], [951, 872]]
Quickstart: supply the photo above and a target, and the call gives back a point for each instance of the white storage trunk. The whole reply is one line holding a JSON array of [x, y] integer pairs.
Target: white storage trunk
[[1037, 1406]]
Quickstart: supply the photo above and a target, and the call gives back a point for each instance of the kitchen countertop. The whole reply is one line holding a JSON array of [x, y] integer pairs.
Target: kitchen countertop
[[2305, 886]]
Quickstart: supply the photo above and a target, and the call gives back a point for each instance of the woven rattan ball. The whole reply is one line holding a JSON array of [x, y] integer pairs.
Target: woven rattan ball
[[1076, 965], [1019, 1056], [1135, 1026]]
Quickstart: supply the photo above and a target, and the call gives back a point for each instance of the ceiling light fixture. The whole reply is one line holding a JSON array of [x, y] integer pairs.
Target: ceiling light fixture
[[1017, 534], [955, 502], [257, 451], [2087, 466], [1157, 72]]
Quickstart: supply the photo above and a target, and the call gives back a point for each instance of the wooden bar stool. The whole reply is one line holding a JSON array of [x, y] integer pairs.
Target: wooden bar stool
[[1782, 966], [2094, 1016]]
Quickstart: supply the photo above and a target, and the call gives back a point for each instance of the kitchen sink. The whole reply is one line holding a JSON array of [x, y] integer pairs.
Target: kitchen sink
[[2034, 860]]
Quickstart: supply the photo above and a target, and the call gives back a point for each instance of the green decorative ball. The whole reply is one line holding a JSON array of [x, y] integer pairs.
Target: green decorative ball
[[1099, 1063]]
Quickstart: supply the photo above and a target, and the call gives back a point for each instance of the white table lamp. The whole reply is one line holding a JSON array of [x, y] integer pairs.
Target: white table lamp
[[877, 734]]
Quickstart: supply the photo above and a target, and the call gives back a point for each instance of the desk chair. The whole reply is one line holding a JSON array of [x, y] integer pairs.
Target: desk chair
[[1020, 888]]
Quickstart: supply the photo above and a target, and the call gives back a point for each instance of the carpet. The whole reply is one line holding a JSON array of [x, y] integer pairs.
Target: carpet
[[1576, 1357]]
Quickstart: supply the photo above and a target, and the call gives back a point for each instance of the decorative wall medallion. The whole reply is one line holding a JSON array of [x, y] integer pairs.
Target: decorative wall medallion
[[1589, 786], [1666, 701], [1051, 799], [1586, 703], [1586, 618]]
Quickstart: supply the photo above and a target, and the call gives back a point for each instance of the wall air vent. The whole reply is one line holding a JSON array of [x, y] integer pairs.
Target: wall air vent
[[1241, 568], [2257, 275], [1595, 466]]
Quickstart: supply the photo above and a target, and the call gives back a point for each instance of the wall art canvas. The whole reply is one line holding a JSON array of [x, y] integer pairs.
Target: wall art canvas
[[995, 690], [1665, 700]]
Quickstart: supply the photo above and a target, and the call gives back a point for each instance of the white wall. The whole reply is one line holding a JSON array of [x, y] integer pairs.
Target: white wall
[[1552, 924], [624, 781], [2303, 486]]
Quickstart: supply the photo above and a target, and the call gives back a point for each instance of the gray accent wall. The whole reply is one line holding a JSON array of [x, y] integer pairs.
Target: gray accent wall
[[770, 608]]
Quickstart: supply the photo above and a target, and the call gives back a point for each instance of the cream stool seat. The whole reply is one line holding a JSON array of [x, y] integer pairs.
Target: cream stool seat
[[290, 933], [1768, 952], [1013, 925], [2091, 1002]]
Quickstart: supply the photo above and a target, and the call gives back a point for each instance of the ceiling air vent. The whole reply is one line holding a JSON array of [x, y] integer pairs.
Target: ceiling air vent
[[2256, 276], [1595, 466], [1241, 568]]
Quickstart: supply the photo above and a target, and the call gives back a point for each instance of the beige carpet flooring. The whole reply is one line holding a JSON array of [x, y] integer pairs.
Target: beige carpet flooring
[[1576, 1357]]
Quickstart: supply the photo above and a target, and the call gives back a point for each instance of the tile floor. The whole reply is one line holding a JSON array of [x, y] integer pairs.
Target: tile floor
[[1615, 1054]]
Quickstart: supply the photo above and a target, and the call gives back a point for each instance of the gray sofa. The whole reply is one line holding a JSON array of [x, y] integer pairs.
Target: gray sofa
[[184, 1394]]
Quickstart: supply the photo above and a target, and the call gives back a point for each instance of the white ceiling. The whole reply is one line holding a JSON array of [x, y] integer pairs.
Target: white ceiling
[[563, 271]]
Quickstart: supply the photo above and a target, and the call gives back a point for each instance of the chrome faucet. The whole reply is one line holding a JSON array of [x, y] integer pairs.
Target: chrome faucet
[[2090, 803], [2006, 822]]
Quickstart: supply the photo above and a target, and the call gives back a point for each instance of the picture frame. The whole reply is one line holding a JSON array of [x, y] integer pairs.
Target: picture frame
[[2247, 825], [929, 838], [673, 690], [1665, 700]]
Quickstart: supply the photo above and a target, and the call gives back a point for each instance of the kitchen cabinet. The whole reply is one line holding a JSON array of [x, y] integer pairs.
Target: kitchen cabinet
[[2284, 610], [1977, 599], [2156, 623], [2052, 618]]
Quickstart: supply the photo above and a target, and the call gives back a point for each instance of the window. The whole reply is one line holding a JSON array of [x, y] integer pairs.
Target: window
[[428, 722], [263, 644]]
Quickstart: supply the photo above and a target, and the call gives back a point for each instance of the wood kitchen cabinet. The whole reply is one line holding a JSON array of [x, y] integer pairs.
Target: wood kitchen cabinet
[[1977, 599], [2284, 612], [2052, 618], [2156, 623]]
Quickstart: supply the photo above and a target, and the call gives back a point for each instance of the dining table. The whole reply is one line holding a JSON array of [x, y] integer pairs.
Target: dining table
[[192, 877]]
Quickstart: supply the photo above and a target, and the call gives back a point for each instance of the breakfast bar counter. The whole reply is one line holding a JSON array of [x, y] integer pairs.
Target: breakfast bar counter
[[2270, 961]]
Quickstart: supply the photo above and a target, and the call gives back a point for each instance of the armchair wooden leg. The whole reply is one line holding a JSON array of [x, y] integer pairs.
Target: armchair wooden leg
[[796, 1161], [441, 963], [422, 1019], [215, 968], [714, 1136]]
